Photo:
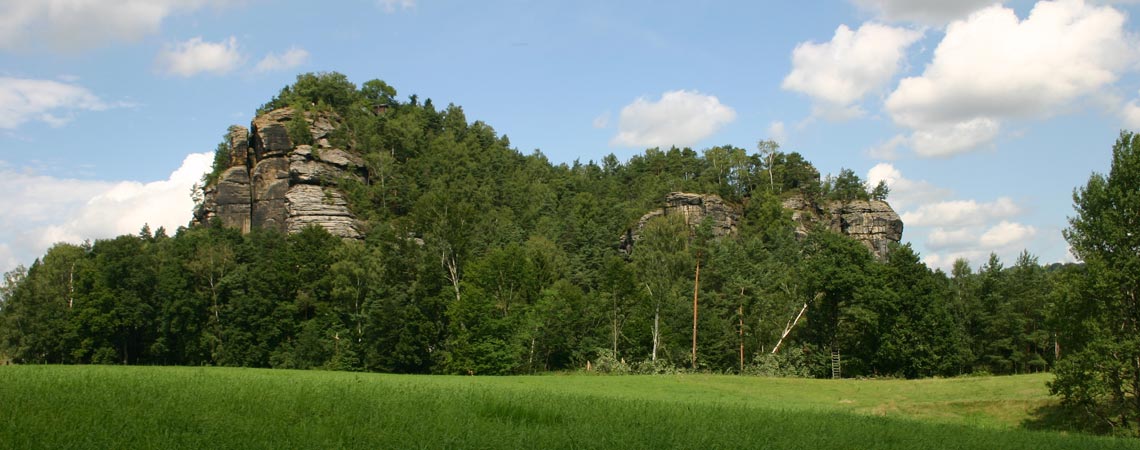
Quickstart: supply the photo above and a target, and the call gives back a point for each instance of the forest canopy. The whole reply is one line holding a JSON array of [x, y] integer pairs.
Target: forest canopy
[[480, 259]]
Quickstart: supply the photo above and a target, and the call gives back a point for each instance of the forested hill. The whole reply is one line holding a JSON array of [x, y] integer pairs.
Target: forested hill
[[350, 229]]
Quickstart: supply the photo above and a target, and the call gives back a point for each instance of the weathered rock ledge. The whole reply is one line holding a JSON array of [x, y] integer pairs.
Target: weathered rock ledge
[[873, 223], [274, 183]]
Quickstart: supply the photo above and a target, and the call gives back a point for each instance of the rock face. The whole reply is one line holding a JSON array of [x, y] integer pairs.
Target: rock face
[[274, 183], [872, 222], [694, 208]]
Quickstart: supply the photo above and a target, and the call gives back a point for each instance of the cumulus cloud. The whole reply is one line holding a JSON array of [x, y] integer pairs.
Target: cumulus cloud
[[993, 66], [941, 239], [196, 56], [41, 210], [777, 132], [927, 12], [1005, 234], [291, 58], [839, 73], [1130, 113], [24, 100], [680, 118], [905, 193], [955, 228], [888, 150], [391, 6], [76, 25], [961, 212]]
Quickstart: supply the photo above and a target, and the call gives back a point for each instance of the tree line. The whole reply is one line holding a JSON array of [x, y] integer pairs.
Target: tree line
[[480, 259]]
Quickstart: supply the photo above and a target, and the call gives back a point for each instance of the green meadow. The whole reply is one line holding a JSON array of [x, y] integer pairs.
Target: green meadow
[[191, 407]]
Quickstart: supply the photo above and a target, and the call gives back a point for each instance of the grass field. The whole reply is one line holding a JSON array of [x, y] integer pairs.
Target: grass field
[[182, 407]]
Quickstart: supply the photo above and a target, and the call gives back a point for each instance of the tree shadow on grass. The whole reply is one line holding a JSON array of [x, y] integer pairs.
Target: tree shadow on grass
[[1069, 419]]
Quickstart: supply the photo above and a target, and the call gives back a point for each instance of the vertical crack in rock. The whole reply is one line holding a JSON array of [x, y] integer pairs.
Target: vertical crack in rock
[[273, 183]]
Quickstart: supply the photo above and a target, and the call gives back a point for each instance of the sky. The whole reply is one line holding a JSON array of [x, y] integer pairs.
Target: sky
[[982, 117]]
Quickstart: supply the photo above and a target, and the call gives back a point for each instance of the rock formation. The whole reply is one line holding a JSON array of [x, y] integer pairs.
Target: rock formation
[[694, 208], [870, 222], [272, 182]]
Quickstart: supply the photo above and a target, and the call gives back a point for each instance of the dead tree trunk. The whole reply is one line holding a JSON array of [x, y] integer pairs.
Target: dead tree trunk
[[792, 323], [696, 291]]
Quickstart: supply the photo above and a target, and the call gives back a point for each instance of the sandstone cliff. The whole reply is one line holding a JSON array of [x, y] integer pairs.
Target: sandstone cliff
[[272, 182], [870, 222]]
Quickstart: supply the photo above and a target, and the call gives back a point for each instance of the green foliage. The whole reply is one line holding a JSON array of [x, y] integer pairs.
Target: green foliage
[[478, 258], [222, 156], [792, 362], [847, 186], [298, 127], [1101, 370], [329, 89]]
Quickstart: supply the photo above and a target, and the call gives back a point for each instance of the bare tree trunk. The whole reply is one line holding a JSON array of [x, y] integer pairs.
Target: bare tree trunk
[[656, 323], [71, 286], [792, 324], [615, 322], [696, 291], [452, 267], [740, 317]]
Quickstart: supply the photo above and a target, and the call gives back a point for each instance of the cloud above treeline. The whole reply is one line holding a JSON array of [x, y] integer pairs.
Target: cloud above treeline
[[197, 56], [955, 228], [993, 67], [840, 73], [41, 210], [988, 69], [679, 118]]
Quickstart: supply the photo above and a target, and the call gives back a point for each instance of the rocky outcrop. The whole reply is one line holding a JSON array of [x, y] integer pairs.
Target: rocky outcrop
[[694, 208], [275, 183], [871, 222]]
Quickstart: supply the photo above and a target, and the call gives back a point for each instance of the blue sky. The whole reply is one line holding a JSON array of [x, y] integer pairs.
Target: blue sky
[[981, 116]]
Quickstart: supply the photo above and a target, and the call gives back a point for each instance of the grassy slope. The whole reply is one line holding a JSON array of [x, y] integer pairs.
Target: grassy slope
[[160, 407]]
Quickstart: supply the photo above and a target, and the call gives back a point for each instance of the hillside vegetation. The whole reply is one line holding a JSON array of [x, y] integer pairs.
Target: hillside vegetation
[[162, 407], [477, 258]]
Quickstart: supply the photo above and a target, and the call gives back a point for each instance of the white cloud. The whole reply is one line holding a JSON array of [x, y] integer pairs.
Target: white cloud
[[777, 132], [888, 150], [291, 58], [391, 6], [928, 12], [961, 213], [24, 100], [196, 56], [1005, 234], [993, 66], [77, 25], [680, 118], [1130, 113], [41, 210], [905, 193], [941, 239], [602, 121], [945, 140], [839, 73]]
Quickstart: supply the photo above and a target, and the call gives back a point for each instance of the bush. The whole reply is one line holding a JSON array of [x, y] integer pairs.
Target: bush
[[610, 364], [793, 362]]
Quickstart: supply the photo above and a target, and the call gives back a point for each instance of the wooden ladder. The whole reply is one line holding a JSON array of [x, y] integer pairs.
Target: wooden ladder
[[835, 364]]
